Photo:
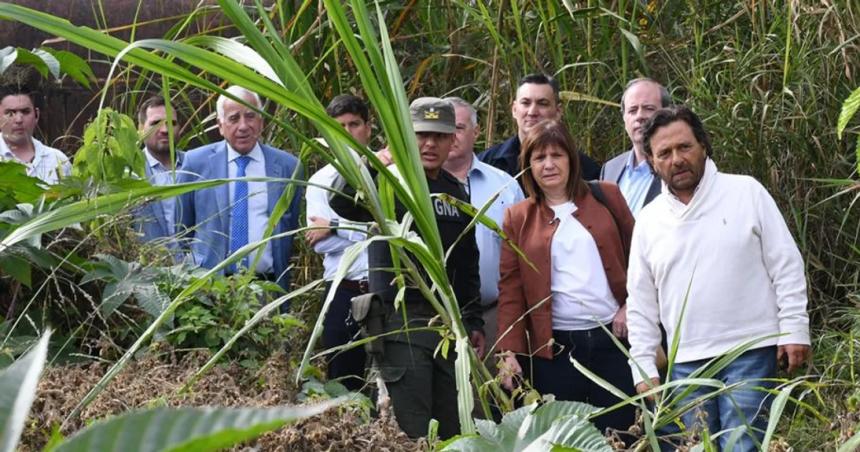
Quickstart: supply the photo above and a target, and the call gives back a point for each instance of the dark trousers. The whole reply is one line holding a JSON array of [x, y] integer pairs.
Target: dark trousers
[[595, 350], [422, 387], [339, 328]]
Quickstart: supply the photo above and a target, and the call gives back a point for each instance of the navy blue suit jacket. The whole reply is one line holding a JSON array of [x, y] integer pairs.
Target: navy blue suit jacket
[[207, 211], [505, 156]]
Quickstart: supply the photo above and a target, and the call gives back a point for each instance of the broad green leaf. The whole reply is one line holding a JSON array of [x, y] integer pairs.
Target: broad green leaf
[[26, 57], [73, 65], [570, 432], [88, 209], [17, 390], [51, 62], [544, 415], [16, 186], [186, 429]]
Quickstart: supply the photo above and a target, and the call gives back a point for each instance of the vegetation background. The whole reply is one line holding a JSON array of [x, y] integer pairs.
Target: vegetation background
[[768, 78]]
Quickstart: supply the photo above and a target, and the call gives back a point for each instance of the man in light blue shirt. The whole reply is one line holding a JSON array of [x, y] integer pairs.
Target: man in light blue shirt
[[641, 99], [156, 219], [482, 181]]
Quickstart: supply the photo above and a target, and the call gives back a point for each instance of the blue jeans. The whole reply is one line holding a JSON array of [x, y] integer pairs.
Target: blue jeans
[[744, 407]]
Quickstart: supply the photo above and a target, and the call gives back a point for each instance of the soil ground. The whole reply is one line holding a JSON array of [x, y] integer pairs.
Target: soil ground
[[156, 379]]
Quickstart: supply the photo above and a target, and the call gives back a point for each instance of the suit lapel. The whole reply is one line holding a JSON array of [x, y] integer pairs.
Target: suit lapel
[[273, 169], [218, 165], [654, 189]]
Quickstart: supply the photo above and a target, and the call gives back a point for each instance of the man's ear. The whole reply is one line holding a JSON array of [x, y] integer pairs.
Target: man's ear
[[36, 113]]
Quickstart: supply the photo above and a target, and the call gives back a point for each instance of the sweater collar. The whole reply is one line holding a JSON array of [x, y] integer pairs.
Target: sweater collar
[[701, 191]]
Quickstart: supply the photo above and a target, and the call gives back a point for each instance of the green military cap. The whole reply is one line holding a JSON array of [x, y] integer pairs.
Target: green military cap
[[432, 114]]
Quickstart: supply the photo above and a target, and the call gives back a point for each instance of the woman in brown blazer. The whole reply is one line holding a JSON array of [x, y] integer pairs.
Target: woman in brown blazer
[[570, 283]]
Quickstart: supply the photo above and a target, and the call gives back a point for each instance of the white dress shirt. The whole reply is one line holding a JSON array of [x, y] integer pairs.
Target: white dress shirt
[[581, 296], [333, 247], [48, 163], [258, 202]]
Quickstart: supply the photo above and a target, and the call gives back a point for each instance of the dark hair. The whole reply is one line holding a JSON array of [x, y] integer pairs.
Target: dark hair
[[19, 90], [551, 132], [542, 79], [347, 103], [665, 98], [666, 116], [151, 102]]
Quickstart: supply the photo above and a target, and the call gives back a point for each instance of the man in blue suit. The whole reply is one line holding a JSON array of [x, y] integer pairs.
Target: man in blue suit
[[156, 219], [222, 219]]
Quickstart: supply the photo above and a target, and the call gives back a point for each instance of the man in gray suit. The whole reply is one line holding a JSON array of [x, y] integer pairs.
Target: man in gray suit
[[641, 99], [156, 219], [221, 220]]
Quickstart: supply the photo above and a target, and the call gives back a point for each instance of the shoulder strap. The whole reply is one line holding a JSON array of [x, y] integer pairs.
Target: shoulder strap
[[597, 192]]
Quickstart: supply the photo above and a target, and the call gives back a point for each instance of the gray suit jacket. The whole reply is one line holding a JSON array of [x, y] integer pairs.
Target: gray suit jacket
[[205, 212], [614, 168]]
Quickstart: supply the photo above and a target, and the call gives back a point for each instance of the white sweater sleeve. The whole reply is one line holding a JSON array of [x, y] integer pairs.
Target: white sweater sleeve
[[642, 311], [784, 264]]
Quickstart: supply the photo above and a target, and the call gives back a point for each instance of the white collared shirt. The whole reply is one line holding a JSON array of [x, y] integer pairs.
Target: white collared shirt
[[333, 246], [48, 163], [258, 202], [581, 296]]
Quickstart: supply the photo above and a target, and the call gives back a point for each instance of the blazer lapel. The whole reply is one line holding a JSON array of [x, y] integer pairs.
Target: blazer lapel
[[654, 189], [273, 169]]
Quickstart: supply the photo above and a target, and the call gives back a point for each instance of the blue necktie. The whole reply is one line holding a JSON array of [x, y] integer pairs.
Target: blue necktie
[[239, 234]]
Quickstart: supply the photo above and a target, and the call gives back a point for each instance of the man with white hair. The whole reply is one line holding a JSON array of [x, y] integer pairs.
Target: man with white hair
[[220, 220]]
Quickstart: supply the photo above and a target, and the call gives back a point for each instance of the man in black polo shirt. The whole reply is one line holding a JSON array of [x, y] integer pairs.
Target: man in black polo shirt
[[421, 382], [537, 99]]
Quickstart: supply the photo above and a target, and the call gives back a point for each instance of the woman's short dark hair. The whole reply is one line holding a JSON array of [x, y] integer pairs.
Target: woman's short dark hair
[[551, 132], [668, 115]]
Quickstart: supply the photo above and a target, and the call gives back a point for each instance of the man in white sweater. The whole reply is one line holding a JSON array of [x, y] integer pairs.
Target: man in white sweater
[[713, 261]]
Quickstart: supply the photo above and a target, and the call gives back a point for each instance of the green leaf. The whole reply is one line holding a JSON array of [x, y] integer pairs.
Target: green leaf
[[16, 186], [186, 429], [849, 108], [51, 62], [72, 65], [17, 390], [16, 267], [26, 57]]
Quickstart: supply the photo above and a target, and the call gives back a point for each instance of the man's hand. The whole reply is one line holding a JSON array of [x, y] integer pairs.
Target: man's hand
[[384, 156], [795, 354], [479, 342], [508, 368], [647, 385], [315, 235], [619, 323]]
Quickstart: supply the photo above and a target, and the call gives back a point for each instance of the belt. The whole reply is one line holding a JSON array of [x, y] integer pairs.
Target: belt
[[359, 286]]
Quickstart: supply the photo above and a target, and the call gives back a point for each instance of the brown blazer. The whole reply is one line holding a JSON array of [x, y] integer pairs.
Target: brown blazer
[[530, 226]]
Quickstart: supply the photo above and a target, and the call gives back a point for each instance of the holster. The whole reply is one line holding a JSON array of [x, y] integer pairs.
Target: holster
[[369, 312]]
